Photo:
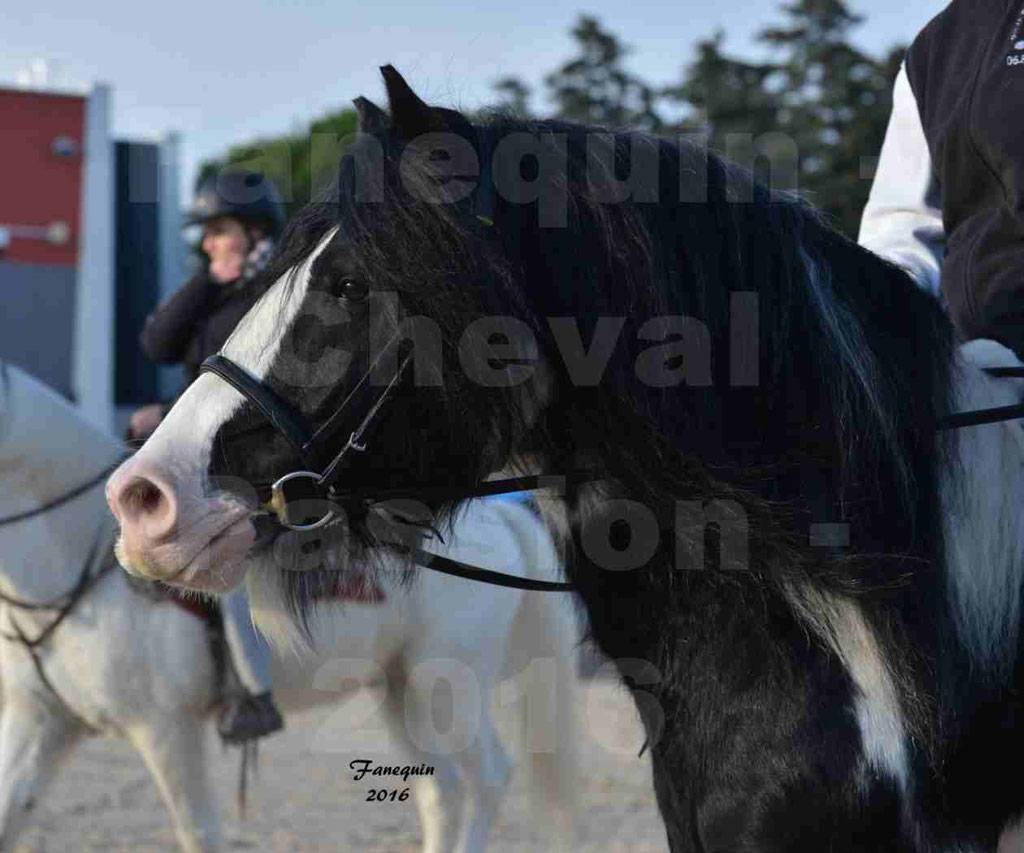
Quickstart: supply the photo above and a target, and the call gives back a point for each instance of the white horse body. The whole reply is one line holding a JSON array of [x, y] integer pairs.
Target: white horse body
[[124, 664]]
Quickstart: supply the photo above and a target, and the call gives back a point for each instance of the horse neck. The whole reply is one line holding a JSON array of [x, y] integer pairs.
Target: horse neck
[[42, 558], [46, 451], [46, 447]]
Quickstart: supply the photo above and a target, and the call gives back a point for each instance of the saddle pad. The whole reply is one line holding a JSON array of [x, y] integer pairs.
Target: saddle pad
[[356, 587]]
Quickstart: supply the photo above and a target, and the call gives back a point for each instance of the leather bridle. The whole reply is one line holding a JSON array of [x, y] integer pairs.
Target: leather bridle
[[69, 495], [357, 414]]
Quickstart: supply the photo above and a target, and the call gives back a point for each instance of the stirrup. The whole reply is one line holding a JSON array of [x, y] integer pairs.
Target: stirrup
[[246, 718]]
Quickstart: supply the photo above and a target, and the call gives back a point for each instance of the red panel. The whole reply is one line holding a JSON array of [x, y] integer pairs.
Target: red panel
[[37, 185]]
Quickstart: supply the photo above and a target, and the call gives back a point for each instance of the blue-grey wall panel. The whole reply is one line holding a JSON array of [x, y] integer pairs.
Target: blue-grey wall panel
[[37, 316]]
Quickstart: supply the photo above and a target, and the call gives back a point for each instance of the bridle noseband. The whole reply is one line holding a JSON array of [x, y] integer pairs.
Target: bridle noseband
[[358, 412]]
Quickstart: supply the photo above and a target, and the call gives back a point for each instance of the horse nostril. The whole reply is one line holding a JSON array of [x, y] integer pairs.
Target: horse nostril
[[147, 507], [142, 496]]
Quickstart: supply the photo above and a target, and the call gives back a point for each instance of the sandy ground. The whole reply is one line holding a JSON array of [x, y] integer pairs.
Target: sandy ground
[[306, 800]]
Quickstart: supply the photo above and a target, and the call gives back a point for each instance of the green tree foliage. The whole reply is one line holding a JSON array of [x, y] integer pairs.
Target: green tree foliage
[[727, 96], [736, 107], [301, 165], [836, 104]]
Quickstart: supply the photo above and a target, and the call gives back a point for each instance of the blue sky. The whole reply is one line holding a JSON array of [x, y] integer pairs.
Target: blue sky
[[223, 72]]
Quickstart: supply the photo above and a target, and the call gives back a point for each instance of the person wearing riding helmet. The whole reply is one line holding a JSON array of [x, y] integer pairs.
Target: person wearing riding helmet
[[241, 214]]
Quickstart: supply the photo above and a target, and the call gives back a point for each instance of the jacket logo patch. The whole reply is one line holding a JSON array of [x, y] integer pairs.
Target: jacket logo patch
[[1016, 54]]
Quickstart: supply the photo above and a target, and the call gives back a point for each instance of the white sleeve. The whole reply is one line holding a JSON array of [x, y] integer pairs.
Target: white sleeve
[[902, 220]]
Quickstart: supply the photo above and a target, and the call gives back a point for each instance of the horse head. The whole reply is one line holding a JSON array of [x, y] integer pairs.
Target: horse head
[[360, 289]]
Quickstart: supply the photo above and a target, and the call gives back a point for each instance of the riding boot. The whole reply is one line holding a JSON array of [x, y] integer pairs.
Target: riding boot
[[246, 717]]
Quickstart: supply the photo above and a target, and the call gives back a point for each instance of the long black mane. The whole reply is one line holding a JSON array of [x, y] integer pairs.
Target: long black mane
[[851, 360]]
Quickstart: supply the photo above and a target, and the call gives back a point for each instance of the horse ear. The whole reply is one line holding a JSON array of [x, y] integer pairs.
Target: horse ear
[[372, 119], [409, 115]]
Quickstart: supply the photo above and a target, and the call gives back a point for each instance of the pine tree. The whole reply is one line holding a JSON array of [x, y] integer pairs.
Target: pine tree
[[594, 88], [735, 106], [727, 96], [811, 119], [820, 104], [838, 101]]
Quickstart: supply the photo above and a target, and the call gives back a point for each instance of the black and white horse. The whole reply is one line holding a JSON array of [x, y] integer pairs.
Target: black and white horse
[[812, 589]]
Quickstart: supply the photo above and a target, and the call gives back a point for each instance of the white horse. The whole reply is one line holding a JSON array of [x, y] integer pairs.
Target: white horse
[[121, 663]]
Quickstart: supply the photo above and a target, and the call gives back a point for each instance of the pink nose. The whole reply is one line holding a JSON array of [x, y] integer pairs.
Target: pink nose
[[144, 502]]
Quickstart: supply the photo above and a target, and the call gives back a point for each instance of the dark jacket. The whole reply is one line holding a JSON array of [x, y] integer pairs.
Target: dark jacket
[[196, 321], [966, 70]]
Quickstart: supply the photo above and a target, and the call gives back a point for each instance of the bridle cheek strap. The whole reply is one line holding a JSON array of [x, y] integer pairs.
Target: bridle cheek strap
[[364, 404], [336, 466]]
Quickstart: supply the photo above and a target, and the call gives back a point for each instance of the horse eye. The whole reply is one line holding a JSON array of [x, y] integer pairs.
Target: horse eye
[[352, 290]]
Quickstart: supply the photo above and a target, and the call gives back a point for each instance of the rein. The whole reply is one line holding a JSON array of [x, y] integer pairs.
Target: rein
[[63, 499], [458, 569], [66, 602], [987, 416], [63, 605], [360, 409]]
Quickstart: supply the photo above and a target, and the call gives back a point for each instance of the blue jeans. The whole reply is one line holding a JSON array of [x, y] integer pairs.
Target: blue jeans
[[249, 650]]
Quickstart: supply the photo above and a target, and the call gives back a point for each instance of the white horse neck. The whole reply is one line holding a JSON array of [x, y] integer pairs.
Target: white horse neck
[[984, 527], [47, 449]]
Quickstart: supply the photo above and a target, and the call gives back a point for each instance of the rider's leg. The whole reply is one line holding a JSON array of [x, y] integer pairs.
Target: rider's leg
[[257, 716], [249, 650]]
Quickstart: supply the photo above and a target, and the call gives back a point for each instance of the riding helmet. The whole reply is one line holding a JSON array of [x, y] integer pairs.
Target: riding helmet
[[243, 194]]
